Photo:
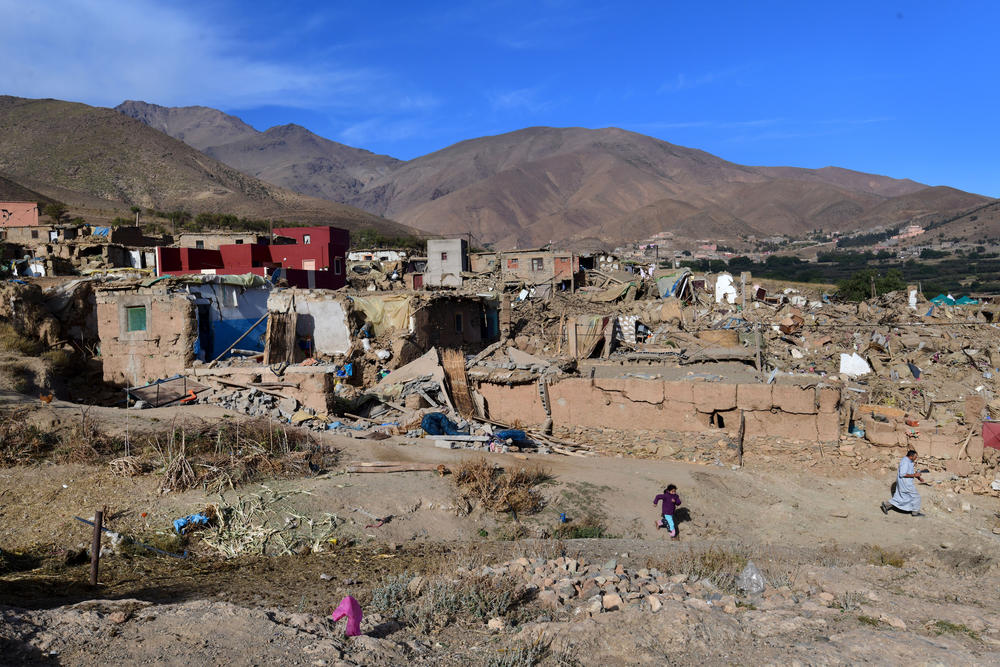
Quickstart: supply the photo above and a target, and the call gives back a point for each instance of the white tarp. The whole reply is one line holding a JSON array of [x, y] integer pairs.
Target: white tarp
[[724, 288], [853, 365]]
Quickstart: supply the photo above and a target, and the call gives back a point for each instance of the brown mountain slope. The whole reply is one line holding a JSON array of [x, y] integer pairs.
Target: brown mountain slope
[[287, 155], [12, 191], [199, 127], [104, 154], [294, 157], [542, 184], [850, 180]]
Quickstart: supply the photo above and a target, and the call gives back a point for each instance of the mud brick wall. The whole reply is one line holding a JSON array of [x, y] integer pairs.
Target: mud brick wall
[[770, 410], [164, 348], [928, 438]]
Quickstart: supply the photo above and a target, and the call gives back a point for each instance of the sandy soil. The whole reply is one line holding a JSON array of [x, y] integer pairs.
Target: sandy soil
[[820, 523]]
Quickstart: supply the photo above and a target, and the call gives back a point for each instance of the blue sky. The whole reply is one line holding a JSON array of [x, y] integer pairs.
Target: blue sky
[[906, 89]]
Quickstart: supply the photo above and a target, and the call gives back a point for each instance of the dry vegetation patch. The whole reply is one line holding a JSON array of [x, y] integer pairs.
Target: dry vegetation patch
[[499, 490]]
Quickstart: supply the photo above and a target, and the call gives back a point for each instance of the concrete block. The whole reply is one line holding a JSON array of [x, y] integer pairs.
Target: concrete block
[[975, 449], [921, 443], [881, 435], [645, 391], [974, 406], [796, 400], [680, 392], [828, 426], [828, 399], [961, 468], [943, 447], [713, 396], [753, 396]]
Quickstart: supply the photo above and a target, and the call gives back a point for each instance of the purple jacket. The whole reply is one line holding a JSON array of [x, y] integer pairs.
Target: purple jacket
[[671, 501]]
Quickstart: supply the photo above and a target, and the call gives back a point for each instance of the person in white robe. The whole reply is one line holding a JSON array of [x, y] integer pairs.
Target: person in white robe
[[905, 499]]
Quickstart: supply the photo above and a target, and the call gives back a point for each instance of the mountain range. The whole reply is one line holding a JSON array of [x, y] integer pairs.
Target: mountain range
[[522, 188], [544, 184], [103, 161]]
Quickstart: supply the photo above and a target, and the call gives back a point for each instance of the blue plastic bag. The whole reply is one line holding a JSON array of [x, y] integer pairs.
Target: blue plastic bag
[[190, 520]]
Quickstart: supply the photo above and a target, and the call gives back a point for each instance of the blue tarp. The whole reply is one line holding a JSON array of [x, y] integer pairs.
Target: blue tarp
[[943, 300], [100, 231], [435, 423]]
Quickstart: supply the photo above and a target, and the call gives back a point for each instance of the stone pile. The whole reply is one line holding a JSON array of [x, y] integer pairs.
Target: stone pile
[[576, 587]]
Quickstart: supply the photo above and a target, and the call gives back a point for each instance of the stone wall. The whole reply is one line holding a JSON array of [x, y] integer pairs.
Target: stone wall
[[771, 410]]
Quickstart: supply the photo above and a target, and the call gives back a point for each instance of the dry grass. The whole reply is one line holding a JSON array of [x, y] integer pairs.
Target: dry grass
[[879, 556], [720, 565], [12, 340], [22, 443], [228, 454], [217, 456], [498, 490]]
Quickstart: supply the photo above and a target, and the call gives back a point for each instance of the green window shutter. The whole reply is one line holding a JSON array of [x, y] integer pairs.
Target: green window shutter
[[136, 318]]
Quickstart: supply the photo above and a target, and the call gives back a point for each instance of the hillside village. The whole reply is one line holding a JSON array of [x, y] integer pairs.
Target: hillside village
[[396, 402]]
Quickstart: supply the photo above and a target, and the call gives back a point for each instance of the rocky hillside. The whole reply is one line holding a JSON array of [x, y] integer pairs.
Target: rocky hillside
[[286, 155], [62, 147], [544, 184], [541, 184]]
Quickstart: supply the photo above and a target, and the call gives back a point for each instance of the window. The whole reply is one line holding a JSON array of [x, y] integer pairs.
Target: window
[[239, 241], [136, 318], [336, 266], [512, 263], [458, 322], [444, 257], [306, 239], [199, 244], [537, 264], [34, 233]]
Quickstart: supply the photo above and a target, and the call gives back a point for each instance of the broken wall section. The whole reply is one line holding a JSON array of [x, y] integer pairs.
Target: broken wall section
[[803, 413]]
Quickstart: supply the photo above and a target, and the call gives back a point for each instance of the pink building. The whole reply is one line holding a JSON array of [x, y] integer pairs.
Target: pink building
[[18, 214]]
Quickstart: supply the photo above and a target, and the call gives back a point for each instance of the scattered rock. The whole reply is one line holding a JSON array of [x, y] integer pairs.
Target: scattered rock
[[497, 624], [893, 621], [612, 602]]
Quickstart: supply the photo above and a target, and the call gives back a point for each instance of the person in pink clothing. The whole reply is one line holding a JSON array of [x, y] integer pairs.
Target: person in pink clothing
[[670, 501]]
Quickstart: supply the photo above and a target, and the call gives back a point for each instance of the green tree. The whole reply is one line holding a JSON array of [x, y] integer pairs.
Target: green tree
[[859, 286], [58, 212]]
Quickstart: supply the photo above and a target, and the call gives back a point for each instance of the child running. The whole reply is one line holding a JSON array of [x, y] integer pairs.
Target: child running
[[670, 502]]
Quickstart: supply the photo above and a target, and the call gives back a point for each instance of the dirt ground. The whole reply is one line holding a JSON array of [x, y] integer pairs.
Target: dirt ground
[[849, 584]]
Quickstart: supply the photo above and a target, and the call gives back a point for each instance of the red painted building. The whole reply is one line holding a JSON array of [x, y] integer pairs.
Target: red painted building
[[308, 257]]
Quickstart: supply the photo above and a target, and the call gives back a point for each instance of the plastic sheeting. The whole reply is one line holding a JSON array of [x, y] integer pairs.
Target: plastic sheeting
[[853, 365], [386, 312]]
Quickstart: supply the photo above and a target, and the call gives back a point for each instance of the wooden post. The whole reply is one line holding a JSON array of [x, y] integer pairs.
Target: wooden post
[[756, 344], [95, 547], [571, 340], [739, 437]]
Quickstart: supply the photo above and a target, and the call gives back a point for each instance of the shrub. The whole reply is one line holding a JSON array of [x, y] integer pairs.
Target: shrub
[[879, 556], [498, 490], [589, 527], [441, 602], [941, 627]]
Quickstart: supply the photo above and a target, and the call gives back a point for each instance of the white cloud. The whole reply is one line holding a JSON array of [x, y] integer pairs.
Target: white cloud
[[381, 130], [525, 99], [103, 52]]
